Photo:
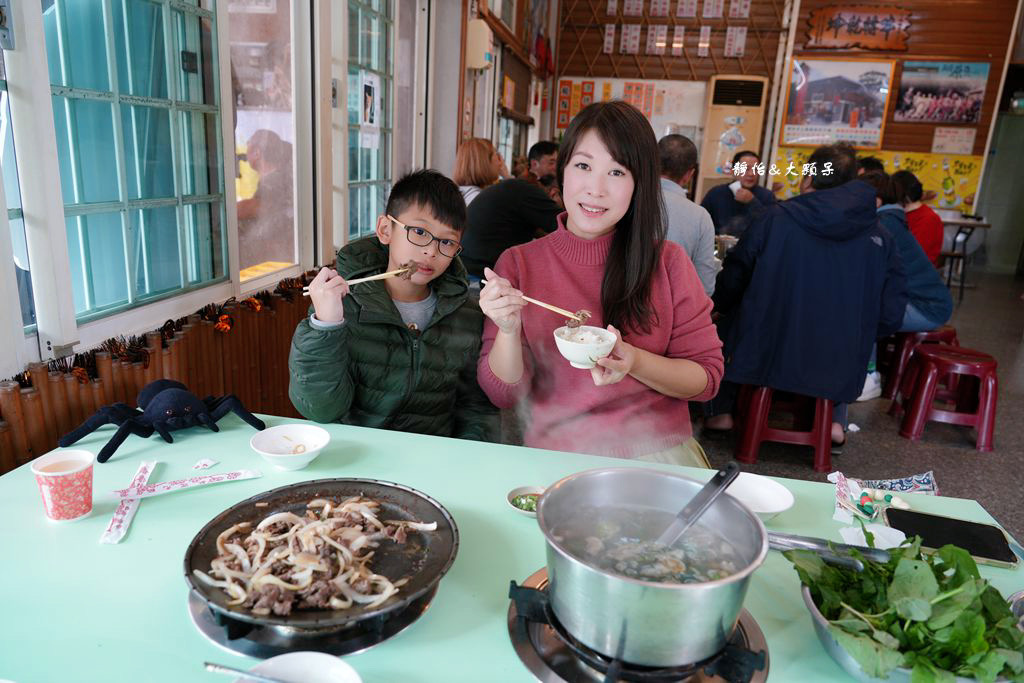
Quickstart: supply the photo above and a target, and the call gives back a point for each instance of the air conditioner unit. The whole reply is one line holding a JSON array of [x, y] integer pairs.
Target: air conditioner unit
[[733, 121], [478, 45]]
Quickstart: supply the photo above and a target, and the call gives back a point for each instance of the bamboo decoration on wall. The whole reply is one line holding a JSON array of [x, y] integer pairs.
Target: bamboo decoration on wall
[[245, 355]]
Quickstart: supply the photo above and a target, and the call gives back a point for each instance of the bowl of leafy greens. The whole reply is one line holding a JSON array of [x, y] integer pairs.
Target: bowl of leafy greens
[[915, 618]]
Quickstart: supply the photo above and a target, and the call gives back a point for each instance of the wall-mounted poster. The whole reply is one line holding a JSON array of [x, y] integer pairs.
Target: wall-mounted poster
[[369, 120], [837, 101], [941, 92]]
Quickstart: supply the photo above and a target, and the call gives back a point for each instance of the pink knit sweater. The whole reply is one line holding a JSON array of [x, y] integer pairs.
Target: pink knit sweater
[[565, 411]]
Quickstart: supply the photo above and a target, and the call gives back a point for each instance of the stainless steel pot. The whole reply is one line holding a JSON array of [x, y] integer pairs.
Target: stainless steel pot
[[643, 622]]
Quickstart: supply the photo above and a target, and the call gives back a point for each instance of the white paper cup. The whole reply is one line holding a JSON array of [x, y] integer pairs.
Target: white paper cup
[[65, 483]]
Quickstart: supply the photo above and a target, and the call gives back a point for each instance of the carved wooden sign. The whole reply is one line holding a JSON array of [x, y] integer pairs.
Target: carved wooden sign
[[868, 27]]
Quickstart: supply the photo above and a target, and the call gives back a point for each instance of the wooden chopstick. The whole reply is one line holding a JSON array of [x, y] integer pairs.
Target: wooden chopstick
[[556, 309], [378, 276]]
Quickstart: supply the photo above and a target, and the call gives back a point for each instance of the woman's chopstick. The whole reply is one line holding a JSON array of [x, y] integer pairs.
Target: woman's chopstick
[[379, 276], [556, 309]]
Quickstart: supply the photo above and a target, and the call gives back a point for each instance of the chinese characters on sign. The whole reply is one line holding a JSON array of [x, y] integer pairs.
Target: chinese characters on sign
[[686, 9], [657, 38], [678, 33], [739, 9], [735, 41], [609, 38], [858, 26], [704, 45], [713, 9]]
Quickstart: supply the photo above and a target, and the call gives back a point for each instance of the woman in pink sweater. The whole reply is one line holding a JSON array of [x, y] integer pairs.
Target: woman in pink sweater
[[609, 256]]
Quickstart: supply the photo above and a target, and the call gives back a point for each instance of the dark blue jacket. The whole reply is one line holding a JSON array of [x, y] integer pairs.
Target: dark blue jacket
[[925, 288], [730, 216], [809, 288]]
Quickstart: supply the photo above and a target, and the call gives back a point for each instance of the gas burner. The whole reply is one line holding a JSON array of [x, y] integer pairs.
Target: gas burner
[[268, 641], [553, 656]]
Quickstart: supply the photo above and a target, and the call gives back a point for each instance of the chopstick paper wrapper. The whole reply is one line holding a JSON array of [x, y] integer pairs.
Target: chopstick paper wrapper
[[147, 490], [125, 511]]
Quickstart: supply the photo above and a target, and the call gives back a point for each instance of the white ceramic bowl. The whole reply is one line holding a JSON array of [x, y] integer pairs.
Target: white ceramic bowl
[[290, 446], [522, 491], [765, 497], [583, 355], [306, 667]]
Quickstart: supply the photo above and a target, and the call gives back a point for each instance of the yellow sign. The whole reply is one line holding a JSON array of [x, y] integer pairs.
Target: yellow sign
[[953, 178]]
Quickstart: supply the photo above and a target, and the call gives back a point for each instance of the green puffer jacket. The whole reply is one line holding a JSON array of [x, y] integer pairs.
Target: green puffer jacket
[[373, 371]]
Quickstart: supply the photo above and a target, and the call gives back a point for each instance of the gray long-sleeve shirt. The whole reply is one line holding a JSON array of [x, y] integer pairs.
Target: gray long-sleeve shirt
[[690, 226]]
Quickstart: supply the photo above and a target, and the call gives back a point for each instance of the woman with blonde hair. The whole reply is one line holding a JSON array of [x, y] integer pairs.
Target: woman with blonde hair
[[477, 165]]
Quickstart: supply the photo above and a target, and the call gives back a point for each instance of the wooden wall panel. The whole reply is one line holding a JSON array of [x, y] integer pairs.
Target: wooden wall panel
[[954, 31], [581, 41]]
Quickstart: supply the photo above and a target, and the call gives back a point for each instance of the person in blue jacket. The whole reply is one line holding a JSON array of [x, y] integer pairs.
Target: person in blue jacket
[[929, 303], [807, 290]]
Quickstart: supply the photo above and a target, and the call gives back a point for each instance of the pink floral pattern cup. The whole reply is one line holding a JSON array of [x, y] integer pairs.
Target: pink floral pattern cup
[[65, 483]]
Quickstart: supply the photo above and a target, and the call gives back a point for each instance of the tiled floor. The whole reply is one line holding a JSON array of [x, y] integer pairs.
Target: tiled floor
[[991, 319]]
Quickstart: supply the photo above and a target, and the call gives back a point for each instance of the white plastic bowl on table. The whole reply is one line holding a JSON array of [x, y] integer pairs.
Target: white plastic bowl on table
[[763, 496], [278, 444], [305, 667], [583, 355]]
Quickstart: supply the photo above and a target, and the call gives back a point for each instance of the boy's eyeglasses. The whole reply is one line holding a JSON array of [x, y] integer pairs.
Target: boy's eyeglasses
[[422, 237]]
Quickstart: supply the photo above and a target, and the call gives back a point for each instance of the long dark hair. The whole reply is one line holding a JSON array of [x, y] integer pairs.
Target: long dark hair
[[639, 234], [906, 187]]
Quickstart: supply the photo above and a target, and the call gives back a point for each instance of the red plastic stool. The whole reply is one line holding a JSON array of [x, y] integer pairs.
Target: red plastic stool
[[975, 400], [906, 342], [754, 406]]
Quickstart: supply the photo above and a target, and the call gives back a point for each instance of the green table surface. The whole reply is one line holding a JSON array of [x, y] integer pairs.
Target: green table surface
[[73, 609]]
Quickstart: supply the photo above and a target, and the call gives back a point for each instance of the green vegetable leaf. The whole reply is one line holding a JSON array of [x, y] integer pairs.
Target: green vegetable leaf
[[1014, 659], [969, 633], [912, 588], [960, 561], [926, 672], [874, 658], [851, 625], [945, 610], [809, 562], [989, 667]]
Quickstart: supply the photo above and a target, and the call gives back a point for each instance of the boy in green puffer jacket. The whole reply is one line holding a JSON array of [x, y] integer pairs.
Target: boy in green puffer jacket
[[398, 353]]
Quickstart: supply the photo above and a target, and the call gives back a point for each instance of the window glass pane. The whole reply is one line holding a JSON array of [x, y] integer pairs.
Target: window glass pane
[[155, 250], [369, 41], [201, 158], [21, 270], [86, 150], [75, 39], [353, 212], [195, 76], [353, 33], [353, 154], [96, 248], [139, 41], [202, 240], [9, 162], [355, 92], [264, 138], [149, 161]]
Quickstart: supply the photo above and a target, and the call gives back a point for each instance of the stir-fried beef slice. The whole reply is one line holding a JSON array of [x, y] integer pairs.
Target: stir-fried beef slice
[[275, 599], [318, 595]]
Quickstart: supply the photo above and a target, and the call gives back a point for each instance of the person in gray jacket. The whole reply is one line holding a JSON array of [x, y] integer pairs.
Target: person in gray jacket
[[689, 224]]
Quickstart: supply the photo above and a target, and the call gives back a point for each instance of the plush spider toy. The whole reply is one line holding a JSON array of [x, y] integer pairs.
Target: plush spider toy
[[166, 406]]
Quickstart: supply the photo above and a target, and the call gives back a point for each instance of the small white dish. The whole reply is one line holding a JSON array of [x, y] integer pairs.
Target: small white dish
[[522, 491], [765, 497], [306, 667], [290, 446], [584, 355]]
